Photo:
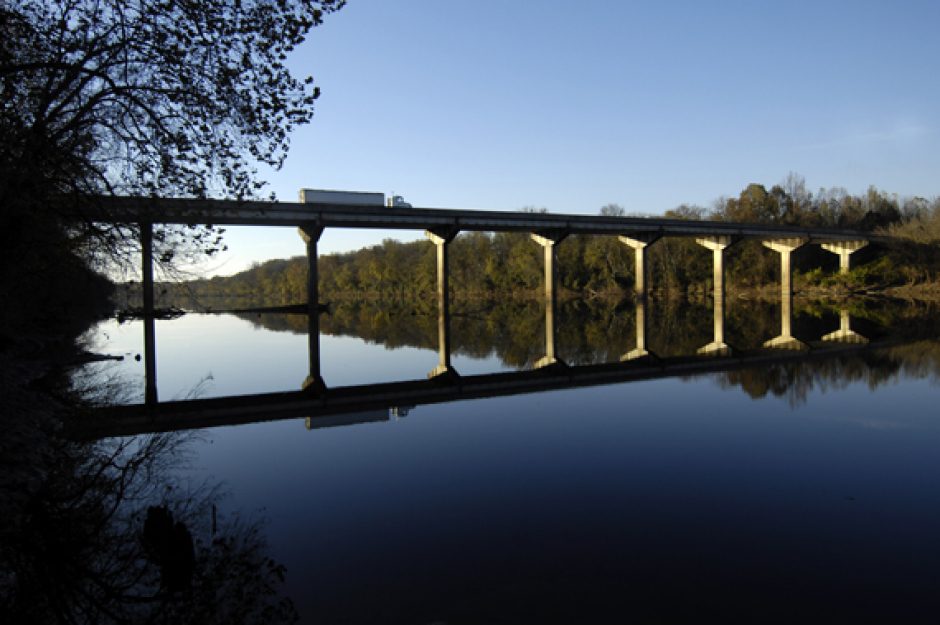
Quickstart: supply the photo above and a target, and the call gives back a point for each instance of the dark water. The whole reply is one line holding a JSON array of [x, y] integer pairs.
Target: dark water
[[806, 490]]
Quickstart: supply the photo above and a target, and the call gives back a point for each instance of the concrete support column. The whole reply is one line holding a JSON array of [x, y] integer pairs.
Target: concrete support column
[[441, 240], [310, 233], [718, 245], [844, 249], [639, 243], [548, 243], [785, 247], [150, 339]]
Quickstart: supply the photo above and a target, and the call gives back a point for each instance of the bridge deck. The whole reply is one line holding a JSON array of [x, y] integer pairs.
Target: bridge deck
[[230, 212]]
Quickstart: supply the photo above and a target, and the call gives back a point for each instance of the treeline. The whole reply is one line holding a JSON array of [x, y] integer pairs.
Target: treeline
[[510, 264]]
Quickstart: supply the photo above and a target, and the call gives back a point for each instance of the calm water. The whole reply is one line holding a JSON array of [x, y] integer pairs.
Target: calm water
[[801, 492]]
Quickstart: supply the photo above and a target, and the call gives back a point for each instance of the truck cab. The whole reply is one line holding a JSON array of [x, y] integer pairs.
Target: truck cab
[[397, 201]]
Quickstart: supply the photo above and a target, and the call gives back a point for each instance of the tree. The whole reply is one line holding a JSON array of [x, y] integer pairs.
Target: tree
[[138, 97], [613, 210], [754, 205], [797, 201]]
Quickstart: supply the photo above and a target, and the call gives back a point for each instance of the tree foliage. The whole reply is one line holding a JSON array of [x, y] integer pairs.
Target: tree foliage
[[132, 97]]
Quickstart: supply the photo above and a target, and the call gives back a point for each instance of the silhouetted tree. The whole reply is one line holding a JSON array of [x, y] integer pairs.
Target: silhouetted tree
[[135, 97]]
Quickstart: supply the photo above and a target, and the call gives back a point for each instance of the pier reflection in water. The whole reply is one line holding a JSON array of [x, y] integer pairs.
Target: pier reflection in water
[[669, 498]]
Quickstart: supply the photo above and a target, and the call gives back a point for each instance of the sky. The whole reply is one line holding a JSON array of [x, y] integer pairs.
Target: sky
[[574, 105]]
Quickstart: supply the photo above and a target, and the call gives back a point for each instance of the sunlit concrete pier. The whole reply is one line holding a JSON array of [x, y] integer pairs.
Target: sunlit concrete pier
[[441, 239], [785, 247], [549, 241], [844, 250], [717, 244]]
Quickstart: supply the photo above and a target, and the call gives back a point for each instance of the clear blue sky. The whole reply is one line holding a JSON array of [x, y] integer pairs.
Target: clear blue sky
[[573, 105]]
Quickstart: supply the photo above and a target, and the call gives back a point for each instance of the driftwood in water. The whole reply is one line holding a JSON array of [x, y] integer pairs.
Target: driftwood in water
[[83, 358], [130, 314]]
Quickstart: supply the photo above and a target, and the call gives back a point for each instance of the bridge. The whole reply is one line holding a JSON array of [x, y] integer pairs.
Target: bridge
[[442, 225]]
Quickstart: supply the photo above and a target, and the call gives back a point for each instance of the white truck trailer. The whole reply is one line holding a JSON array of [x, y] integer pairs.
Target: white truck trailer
[[325, 196]]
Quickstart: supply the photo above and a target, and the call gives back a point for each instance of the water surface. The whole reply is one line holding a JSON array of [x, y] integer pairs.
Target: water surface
[[798, 492]]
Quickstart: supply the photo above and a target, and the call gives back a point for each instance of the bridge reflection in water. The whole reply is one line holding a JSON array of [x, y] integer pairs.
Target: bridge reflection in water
[[322, 406]]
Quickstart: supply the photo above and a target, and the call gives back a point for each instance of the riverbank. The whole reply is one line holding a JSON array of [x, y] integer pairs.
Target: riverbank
[[835, 289], [922, 292]]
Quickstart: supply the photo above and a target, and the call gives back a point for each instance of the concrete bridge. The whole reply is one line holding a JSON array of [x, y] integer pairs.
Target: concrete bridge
[[442, 225]]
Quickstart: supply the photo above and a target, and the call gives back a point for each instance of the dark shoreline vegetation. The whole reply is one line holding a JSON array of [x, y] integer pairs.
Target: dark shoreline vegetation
[[122, 97]]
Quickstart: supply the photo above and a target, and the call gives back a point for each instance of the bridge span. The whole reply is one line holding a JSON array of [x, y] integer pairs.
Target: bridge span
[[325, 215]]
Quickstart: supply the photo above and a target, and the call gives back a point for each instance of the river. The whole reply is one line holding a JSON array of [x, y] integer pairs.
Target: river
[[803, 490]]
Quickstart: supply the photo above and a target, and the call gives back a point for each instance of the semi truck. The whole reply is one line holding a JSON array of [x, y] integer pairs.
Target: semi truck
[[362, 198]]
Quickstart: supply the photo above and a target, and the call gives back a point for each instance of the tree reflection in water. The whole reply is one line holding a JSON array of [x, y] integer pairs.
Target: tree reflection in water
[[795, 381], [111, 535], [598, 332]]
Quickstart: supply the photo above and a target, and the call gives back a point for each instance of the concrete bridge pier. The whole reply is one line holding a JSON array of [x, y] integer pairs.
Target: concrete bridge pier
[[718, 245], [548, 241], [310, 233], [442, 239], [785, 247], [845, 333], [150, 339], [639, 243], [844, 249]]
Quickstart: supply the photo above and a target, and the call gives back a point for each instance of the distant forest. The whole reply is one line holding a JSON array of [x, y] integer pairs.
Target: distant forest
[[486, 265]]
